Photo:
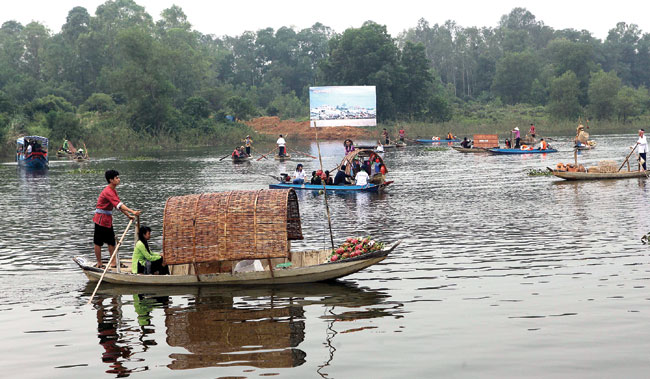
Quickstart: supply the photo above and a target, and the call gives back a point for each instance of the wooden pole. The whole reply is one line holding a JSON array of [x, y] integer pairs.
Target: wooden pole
[[320, 159], [628, 157], [109, 261]]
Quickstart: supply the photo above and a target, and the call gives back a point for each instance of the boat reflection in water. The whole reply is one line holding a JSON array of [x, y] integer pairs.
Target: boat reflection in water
[[231, 326]]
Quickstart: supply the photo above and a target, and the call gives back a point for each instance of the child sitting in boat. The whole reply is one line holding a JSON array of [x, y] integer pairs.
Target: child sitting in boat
[[143, 260]]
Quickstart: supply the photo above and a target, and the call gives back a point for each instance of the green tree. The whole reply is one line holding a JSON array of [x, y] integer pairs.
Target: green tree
[[563, 96], [629, 102], [197, 107], [514, 77], [365, 56], [603, 88], [241, 108], [99, 102]]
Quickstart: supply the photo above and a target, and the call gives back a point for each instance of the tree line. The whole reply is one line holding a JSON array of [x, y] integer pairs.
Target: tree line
[[119, 76]]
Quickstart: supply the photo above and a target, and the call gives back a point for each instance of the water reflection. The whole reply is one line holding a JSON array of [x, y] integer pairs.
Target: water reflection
[[233, 326]]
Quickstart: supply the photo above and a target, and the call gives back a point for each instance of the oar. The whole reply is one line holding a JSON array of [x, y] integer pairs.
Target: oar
[[225, 157], [628, 157], [300, 152], [110, 260], [264, 155]]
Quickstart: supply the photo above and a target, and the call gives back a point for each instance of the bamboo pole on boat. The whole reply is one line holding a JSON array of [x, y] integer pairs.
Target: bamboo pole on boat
[[110, 260], [320, 159], [628, 157]]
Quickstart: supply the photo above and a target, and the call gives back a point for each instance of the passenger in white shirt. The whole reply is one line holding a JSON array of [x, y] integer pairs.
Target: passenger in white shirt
[[299, 175], [361, 179], [281, 146], [643, 148]]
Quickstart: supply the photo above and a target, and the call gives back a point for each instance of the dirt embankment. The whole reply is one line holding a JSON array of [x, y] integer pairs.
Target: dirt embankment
[[302, 130]]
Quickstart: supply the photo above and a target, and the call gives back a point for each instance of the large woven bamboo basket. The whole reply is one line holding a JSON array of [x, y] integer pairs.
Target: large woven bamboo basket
[[227, 226]]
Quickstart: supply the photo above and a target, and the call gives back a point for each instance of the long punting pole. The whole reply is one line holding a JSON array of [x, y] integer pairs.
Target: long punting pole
[[110, 260], [327, 207], [628, 157]]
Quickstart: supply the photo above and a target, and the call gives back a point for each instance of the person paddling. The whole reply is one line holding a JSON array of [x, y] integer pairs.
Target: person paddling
[[248, 142], [281, 146], [103, 219], [643, 148]]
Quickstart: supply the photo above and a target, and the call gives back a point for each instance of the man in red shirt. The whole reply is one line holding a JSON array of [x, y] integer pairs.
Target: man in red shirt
[[103, 218]]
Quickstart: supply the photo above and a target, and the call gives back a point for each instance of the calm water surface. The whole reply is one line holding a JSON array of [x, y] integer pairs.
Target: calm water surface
[[499, 275]]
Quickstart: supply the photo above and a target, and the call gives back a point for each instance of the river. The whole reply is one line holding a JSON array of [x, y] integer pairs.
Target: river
[[499, 274]]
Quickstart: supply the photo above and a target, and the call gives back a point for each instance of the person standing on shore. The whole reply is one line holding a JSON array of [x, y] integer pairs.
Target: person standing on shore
[[103, 219], [281, 146], [643, 148]]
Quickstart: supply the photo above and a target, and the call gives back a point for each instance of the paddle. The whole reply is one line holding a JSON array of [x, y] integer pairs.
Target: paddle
[[300, 152], [110, 260], [224, 158], [628, 157], [264, 155]]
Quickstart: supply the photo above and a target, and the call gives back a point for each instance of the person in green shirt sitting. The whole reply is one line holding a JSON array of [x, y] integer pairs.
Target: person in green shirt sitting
[[143, 260]]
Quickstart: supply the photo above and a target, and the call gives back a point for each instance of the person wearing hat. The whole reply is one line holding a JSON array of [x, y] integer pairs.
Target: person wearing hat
[[248, 142], [517, 137], [643, 148]]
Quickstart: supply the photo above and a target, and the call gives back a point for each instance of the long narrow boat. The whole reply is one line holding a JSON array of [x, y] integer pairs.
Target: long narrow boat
[[37, 158], [430, 141], [470, 150], [598, 175], [315, 269], [519, 151], [317, 187], [205, 236]]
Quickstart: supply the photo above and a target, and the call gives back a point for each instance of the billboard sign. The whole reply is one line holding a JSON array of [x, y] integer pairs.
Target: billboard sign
[[342, 106]]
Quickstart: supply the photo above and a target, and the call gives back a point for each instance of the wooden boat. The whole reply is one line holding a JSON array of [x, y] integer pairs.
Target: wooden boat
[[370, 187], [519, 151], [430, 141], [598, 175], [205, 235], [470, 150], [283, 157], [240, 159], [400, 144], [590, 145], [365, 147], [37, 159]]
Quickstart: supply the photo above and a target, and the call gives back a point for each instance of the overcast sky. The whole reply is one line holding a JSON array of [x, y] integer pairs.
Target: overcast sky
[[234, 17]]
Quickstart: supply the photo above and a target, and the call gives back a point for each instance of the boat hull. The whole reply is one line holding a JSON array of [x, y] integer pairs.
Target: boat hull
[[519, 151], [34, 162], [240, 159], [598, 175], [309, 274], [282, 158], [319, 187], [431, 141], [470, 150]]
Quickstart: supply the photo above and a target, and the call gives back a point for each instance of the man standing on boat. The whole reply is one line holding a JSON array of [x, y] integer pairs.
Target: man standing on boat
[[402, 134], [517, 137], [281, 146], [103, 219], [248, 142], [643, 148], [532, 130]]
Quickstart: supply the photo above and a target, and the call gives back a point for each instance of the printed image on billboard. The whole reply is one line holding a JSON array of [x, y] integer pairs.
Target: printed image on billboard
[[342, 106]]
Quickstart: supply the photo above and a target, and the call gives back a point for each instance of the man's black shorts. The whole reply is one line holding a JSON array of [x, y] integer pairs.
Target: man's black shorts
[[104, 235]]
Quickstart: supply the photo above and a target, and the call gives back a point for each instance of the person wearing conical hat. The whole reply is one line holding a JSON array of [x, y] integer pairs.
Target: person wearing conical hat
[[517, 137]]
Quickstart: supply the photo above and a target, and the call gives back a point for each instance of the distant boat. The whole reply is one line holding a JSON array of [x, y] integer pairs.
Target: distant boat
[[430, 141], [519, 151], [37, 158], [470, 149], [282, 157], [370, 187], [240, 159], [575, 175]]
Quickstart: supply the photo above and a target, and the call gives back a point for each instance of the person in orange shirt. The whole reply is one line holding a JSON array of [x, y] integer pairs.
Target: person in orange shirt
[[543, 145]]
